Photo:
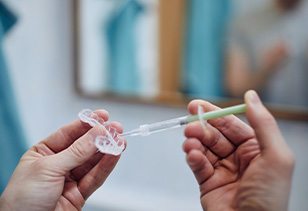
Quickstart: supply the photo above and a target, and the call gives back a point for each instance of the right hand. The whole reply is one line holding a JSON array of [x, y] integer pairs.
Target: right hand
[[239, 167]]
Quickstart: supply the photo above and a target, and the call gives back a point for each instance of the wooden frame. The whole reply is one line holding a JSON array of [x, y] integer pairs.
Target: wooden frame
[[171, 30], [170, 59]]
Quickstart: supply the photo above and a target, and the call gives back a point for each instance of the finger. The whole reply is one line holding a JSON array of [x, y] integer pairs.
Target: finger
[[211, 138], [194, 144], [246, 153], [82, 170], [230, 126], [97, 176], [200, 166], [221, 177], [282, 48], [264, 124], [78, 153], [117, 126], [66, 135]]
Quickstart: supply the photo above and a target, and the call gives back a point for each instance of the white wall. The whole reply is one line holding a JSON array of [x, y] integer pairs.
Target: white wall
[[152, 174]]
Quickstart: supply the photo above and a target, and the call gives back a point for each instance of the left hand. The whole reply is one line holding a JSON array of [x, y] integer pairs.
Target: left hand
[[60, 172]]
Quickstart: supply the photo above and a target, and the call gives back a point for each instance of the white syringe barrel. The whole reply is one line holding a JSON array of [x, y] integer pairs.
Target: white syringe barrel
[[148, 129]]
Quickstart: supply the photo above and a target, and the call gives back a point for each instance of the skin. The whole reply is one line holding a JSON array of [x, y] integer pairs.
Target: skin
[[287, 5], [240, 76], [240, 166], [60, 172]]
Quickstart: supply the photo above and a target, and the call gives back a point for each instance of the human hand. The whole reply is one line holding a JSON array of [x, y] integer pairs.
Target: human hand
[[60, 172], [239, 167], [273, 57]]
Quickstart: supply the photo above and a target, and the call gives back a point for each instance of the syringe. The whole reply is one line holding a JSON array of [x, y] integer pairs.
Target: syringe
[[147, 129]]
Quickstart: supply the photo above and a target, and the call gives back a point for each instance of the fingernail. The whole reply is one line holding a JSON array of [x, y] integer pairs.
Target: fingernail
[[252, 97]]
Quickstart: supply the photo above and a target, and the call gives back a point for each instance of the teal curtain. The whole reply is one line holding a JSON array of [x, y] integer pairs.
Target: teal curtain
[[121, 40], [203, 57], [12, 140]]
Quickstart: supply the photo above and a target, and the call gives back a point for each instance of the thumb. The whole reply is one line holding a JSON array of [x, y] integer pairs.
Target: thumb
[[78, 153], [262, 121]]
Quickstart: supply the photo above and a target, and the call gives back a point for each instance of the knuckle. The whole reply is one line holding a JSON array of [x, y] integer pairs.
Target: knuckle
[[211, 140], [224, 126], [96, 180], [190, 130], [61, 133], [64, 135], [78, 150]]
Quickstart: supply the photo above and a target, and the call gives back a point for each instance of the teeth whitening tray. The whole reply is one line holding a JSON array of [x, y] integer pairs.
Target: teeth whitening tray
[[111, 142]]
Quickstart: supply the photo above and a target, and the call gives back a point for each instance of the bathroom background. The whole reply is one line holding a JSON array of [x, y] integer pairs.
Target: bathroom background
[[152, 173]]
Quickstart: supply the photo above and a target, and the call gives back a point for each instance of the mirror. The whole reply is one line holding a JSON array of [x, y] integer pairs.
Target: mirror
[[171, 51]]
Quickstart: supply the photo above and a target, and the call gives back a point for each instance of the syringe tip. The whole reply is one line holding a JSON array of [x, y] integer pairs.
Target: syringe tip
[[134, 132]]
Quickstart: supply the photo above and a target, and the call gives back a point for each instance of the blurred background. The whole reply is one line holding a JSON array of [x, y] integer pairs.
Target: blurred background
[[186, 49], [162, 51]]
